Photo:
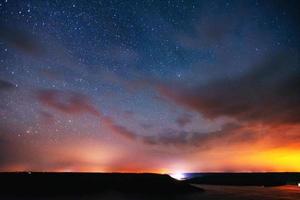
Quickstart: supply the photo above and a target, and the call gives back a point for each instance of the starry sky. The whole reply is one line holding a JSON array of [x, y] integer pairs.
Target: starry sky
[[149, 86]]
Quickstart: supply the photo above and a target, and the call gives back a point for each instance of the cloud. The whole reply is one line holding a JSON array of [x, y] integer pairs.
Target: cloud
[[6, 85], [184, 119], [194, 138], [21, 40], [67, 102], [121, 130], [76, 103], [262, 102], [268, 93]]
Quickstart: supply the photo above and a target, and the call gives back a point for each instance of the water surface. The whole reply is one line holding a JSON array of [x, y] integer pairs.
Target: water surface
[[287, 192]]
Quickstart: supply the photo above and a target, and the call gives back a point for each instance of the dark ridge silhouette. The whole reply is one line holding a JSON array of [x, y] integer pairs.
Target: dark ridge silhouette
[[78, 184], [245, 179]]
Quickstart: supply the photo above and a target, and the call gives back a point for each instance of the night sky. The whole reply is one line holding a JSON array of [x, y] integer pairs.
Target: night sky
[[149, 86]]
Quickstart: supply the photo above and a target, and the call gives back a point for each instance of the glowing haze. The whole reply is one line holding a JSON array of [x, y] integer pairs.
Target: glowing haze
[[149, 86]]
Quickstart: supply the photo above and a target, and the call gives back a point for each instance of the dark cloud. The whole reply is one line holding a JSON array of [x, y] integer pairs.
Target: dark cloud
[[269, 92], [184, 119], [21, 40], [116, 128], [76, 103], [230, 132], [6, 85], [67, 102]]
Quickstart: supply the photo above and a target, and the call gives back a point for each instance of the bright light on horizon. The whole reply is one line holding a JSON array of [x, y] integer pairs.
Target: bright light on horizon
[[178, 176]]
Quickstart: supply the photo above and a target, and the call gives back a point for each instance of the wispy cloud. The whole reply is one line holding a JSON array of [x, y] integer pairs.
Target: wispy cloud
[[67, 102], [268, 93], [6, 85]]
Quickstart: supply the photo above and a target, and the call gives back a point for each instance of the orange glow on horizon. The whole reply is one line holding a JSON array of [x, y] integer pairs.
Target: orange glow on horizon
[[280, 159], [269, 160], [260, 156]]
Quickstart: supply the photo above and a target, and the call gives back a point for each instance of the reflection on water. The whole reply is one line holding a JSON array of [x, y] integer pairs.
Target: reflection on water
[[288, 192]]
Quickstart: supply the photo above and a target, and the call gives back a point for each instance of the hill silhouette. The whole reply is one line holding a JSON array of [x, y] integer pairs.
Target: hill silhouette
[[74, 184]]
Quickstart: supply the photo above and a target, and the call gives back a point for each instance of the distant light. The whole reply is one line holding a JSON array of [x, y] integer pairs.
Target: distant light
[[298, 184], [178, 176]]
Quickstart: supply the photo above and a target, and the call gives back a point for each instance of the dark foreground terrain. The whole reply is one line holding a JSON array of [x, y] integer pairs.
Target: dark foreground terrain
[[28, 185], [117, 186]]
